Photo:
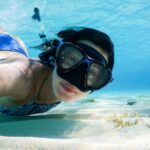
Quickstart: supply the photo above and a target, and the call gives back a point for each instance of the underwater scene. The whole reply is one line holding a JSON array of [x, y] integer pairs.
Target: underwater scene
[[114, 117]]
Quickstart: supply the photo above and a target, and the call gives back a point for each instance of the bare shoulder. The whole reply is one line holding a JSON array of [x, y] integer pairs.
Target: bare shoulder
[[16, 74], [22, 78]]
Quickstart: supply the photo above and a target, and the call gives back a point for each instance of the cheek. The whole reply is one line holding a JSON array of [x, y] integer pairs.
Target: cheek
[[56, 87], [55, 82]]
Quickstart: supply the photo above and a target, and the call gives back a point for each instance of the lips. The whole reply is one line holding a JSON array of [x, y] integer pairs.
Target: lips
[[68, 88]]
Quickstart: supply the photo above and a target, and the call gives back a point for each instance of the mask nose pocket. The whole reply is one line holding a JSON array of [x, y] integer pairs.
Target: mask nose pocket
[[75, 76]]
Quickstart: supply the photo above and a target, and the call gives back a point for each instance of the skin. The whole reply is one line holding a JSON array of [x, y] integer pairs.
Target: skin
[[23, 80]]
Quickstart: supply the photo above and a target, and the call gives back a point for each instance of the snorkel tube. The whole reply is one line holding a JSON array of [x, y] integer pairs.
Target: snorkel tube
[[36, 16]]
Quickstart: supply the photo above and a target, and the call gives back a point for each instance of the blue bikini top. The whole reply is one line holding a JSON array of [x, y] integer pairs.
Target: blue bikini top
[[7, 43]]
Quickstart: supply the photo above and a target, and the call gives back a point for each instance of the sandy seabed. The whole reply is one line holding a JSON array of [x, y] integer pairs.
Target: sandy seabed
[[111, 125]]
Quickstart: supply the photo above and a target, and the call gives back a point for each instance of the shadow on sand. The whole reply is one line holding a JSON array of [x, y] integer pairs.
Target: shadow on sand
[[50, 126]]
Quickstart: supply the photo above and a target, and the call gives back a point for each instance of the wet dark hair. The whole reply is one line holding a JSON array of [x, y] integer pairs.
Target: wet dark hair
[[74, 34]]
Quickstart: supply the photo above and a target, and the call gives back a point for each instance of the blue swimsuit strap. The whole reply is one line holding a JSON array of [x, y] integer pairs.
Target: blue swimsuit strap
[[7, 43]]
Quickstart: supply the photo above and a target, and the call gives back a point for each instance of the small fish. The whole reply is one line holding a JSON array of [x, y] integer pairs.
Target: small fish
[[131, 103]]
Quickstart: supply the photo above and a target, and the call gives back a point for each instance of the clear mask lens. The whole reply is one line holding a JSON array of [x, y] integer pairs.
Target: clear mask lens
[[69, 57], [97, 75]]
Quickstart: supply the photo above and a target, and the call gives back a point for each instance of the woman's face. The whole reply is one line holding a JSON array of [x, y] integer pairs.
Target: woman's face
[[64, 90]]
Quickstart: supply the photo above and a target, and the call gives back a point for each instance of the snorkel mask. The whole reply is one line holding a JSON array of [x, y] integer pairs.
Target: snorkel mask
[[82, 66]]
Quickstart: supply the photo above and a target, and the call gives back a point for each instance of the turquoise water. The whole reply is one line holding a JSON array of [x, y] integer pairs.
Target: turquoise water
[[126, 21]]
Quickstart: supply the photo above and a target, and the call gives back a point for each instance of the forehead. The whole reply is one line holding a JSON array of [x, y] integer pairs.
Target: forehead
[[91, 44]]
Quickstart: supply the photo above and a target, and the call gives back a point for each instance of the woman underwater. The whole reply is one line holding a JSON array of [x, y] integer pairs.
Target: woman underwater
[[80, 62]]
